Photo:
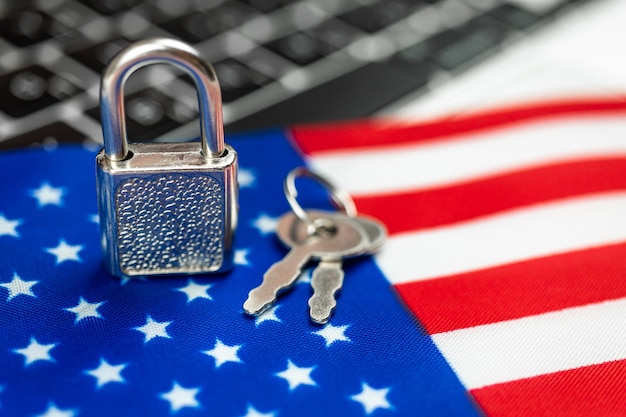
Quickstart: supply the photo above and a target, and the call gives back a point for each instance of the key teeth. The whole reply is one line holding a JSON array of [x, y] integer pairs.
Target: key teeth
[[256, 304], [326, 281], [263, 296], [254, 309], [320, 312]]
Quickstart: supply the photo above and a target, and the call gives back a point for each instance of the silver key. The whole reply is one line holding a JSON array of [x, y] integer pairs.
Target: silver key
[[326, 280], [327, 277], [346, 238]]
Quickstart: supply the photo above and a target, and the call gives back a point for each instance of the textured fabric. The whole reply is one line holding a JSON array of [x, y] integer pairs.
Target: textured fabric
[[508, 243], [75, 341]]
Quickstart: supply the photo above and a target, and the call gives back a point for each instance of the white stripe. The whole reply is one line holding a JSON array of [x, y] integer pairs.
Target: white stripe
[[536, 345], [516, 235], [413, 167]]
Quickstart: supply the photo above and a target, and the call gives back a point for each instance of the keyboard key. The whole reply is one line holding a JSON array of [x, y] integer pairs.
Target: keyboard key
[[301, 48], [33, 88], [150, 114], [48, 137], [98, 56], [336, 33], [267, 6], [514, 16], [480, 35], [110, 7], [413, 63], [237, 80], [26, 28], [349, 96], [197, 27], [372, 18], [453, 48]]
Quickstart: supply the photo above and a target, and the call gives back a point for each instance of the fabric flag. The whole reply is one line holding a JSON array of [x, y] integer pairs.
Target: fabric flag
[[75, 341], [508, 243], [499, 292]]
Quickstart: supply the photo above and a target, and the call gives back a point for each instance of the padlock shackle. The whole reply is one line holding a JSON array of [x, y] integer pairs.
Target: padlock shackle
[[159, 51]]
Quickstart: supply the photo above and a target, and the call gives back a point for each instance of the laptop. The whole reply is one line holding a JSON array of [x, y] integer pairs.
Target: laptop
[[285, 62]]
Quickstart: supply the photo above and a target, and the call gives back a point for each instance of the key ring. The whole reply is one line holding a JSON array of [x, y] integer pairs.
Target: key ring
[[338, 195]]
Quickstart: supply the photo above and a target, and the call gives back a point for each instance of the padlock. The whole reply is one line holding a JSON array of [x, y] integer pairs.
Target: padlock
[[165, 208]]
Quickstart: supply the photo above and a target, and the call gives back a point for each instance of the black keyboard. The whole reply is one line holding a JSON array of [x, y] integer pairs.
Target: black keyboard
[[279, 62]]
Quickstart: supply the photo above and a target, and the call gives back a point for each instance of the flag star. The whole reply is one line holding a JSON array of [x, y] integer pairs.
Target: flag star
[[253, 412], [65, 252], [106, 373], [85, 309], [267, 315], [180, 397], [36, 352], [46, 194], [296, 376], [333, 334], [372, 399], [7, 227], [54, 411], [194, 291], [246, 178], [241, 257], [223, 353], [95, 218], [17, 286], [265, 224], [154, 329]]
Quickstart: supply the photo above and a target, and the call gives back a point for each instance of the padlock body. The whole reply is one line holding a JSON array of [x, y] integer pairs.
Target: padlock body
[[167, 209]]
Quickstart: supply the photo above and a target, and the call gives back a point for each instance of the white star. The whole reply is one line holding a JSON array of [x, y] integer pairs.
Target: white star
[[194, 291], [17, 286], [265, 224], [53, 411], [36, 352], [7, 227], [106, 373], [95, 218], [65, 252], [267, 315], [296, 376], [154, 329], [333, 334], [246, 178], [253, 412], [372, 399], [240, 257], [85, 309], [223, 353], [180, 397], [46, 194]]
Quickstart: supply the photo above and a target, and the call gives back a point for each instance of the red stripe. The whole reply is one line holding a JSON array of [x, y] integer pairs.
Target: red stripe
[[384, 133], [402, 212], [518, 290], [597, 390]]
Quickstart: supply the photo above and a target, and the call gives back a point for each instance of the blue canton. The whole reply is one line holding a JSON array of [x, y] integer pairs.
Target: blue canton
[[75, 341]]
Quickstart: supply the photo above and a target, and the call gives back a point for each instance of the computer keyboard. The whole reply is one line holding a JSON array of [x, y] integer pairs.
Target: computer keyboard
[[279, 62]]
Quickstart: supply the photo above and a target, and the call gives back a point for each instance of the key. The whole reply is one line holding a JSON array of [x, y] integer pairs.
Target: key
[[327, 277], [346, 238], [326, 280]]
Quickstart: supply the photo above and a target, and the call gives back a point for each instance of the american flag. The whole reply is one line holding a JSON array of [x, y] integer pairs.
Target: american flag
[[508, 243], [75, 341], [500, 290]]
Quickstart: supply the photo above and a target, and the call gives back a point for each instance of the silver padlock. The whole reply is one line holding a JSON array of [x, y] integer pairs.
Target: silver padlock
[[165, 208]]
